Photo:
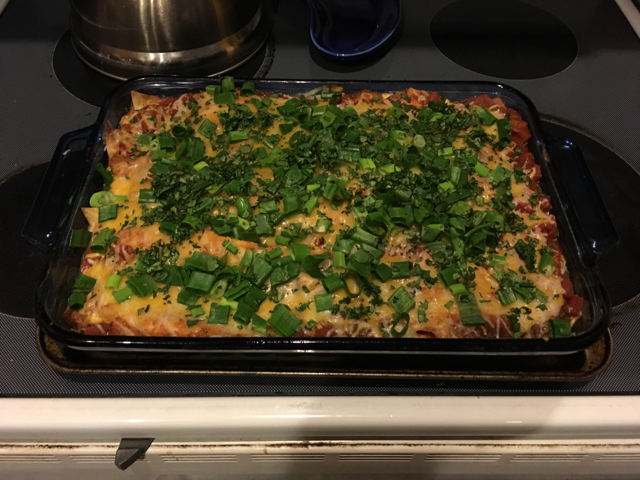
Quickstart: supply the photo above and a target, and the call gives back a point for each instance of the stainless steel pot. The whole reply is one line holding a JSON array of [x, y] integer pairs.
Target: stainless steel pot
[[128, 38]]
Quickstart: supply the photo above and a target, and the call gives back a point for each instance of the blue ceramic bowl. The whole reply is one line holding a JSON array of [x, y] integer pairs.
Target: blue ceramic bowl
[[352, 29]]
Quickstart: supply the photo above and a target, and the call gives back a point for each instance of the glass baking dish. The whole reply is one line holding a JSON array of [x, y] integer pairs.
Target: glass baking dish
[[585, 230]]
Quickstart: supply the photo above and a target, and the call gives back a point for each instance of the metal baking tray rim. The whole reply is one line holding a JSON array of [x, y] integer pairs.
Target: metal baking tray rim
[[598, 357]]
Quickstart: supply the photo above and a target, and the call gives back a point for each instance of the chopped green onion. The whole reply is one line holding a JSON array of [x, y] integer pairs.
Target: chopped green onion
[[282, 240], [108, 212], [330, 189], [200, 165], [323, 302], [275, 253], [285, 127], [401, 269], [506, 296], [363, 236], [449, 276], [401, 215], [254, 297], [281, 261], [445, 187], [499, 174], [244, 207], [422, 315], [374, 252], [383, 271], [84, 283], [362, 269], [106, 175], [76, 300], [230, 246], [397, 318], [260, 270], [200, 282], [146, 196], [344, 245], [482, 170], [353, 285], [263, 226], [246, 258], [219, 314], [243, 313], [207, 129], [367, 164], [121, 295], [258, 324], [80, 238], [311, 265], [419, 142], [559, 328], [362, 256], [237, 291], [546, 261], [458, 288], [227, 84], [310, 205], [166, 141], [103, 240], [237, 136], [323, 225], [113, 281], [218, 289], [339, 259], [202, 262], [229, 303], [283, 321], [401, 300], [399, 136], [497, 261], [142, 285], [468, 308], [101, 199], [485, 115], [271, 141], [388, 168], [332, 282], [270, 206], [292, 205], [196, 311], [248, 89], [224, 98], [299, 252], [284, 274]]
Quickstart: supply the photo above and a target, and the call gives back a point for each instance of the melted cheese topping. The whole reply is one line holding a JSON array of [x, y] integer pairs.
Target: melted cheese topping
[[161, 314]]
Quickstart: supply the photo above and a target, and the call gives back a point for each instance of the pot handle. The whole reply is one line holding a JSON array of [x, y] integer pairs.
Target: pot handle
[[57, 194], [583, 195]]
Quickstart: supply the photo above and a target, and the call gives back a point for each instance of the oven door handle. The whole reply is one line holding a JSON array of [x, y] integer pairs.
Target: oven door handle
[[59, 189], [583, 196]]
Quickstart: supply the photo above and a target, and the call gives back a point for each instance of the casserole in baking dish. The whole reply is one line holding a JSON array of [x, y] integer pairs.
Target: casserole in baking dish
[[234, 212], [371, 210]]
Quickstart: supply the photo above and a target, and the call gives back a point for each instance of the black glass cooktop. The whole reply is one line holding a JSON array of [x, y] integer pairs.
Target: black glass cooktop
[[586, 90]]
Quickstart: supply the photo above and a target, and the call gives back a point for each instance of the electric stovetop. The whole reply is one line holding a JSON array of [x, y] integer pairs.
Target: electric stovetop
[[577, 60]]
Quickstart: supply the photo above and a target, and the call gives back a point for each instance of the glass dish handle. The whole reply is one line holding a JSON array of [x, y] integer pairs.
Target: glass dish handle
[[61, 184], [583, 195]]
